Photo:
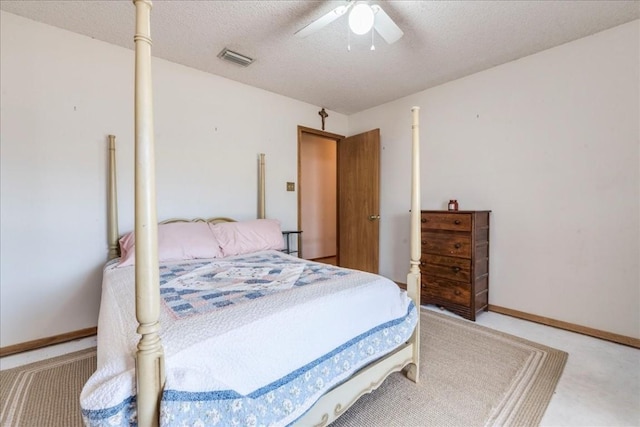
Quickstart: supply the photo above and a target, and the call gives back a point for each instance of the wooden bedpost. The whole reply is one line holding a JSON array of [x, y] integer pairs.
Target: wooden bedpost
[[413, 278], [261, 202], [149, 357], [112, 202]]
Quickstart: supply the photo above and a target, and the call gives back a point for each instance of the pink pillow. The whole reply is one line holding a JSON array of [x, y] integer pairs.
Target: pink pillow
[[176, 241], [244, 237]]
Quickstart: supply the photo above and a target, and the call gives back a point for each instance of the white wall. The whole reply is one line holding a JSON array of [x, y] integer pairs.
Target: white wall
[[549, 143], [62, 94]]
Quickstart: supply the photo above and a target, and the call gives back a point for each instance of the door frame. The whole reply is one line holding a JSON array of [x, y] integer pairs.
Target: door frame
[[328, 135]]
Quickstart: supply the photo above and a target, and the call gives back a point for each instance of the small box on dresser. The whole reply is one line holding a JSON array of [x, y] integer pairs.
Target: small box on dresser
[[454, 264]]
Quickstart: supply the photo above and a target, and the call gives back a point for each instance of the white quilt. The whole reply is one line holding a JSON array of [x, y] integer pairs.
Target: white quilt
[[249, 340]]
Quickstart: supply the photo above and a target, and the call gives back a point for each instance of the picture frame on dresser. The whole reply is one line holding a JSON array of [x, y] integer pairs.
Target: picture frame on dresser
[[454, 263]]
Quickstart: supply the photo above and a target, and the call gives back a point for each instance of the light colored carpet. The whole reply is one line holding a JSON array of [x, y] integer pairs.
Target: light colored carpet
[[470, 376]]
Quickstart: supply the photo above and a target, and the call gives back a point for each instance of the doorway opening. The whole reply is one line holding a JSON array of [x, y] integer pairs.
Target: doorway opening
[[317, 195]]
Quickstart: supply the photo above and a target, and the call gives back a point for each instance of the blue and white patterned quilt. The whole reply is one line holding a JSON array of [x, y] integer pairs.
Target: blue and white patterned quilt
[[251, 340], [197, 288]]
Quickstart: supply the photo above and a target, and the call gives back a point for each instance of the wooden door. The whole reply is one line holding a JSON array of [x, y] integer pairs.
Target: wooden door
[[359, 201]]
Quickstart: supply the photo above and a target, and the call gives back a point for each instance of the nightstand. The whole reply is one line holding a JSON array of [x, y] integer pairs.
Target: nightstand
[[287, 239]]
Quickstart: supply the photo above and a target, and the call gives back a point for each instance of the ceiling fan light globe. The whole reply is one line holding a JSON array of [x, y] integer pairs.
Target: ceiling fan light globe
[[361, 18]]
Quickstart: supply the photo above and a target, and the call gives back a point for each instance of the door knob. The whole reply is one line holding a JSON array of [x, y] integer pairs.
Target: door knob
[[373, 217]]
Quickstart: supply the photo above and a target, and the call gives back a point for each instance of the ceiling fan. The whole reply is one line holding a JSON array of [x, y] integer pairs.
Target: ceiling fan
[[362, 18]]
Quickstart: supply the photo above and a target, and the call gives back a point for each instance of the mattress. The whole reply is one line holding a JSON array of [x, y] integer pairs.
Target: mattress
[[250, 340]]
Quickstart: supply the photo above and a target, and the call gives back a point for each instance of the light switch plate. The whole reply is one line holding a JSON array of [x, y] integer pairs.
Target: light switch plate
[[291, 186]]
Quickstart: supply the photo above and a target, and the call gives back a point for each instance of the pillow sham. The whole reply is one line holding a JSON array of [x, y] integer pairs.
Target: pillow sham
[[242, 237], [176, 241]]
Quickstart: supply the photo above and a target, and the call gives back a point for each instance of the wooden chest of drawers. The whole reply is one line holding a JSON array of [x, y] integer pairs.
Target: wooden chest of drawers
[[455, 261]]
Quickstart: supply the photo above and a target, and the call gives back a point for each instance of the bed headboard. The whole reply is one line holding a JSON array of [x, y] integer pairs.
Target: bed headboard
[[113, 234], [214, 220]]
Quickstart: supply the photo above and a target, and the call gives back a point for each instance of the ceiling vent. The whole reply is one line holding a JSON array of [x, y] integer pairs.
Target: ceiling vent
[[235, 57]]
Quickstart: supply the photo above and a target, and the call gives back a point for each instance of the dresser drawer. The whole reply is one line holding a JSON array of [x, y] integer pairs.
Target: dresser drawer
[[449, 244], [446, 221], [448, 267], [438, 290]]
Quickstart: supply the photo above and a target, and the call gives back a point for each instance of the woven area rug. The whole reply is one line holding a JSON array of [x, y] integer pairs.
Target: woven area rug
[[470, 376], [46, 393]]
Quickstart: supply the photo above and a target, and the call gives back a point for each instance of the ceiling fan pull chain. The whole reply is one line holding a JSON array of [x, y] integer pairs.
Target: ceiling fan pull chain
[[348, 39], [372, 45]]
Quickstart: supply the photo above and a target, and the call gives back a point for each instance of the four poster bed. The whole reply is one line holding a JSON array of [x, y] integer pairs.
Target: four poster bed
[[233, 331]]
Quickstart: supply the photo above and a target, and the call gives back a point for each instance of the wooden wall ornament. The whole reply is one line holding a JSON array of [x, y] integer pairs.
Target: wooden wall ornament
[[324, 115]]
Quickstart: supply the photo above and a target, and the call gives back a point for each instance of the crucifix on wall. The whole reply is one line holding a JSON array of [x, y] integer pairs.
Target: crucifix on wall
[[324, 115]]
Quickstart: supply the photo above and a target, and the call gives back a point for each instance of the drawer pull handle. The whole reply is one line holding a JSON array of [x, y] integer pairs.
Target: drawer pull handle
[[457, 292], [422, 263], [457, 222], [455, 269], [424, 220], [424, 242], [457, 246]]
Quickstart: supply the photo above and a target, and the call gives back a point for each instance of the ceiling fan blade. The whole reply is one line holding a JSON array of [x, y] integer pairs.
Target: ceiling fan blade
[[385, 26], [324, 20]]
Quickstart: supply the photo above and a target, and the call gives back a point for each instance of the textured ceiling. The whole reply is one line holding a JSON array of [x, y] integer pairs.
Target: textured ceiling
[[443, 40]]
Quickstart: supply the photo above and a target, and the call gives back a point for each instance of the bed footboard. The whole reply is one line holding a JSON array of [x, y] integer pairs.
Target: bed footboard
[[333, 404]]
